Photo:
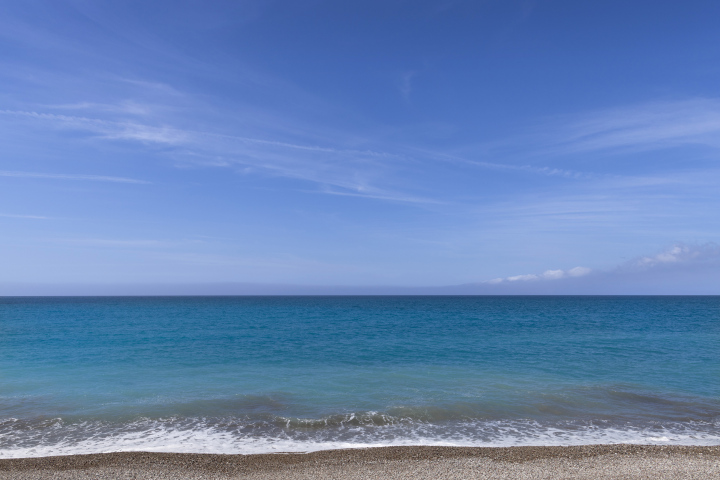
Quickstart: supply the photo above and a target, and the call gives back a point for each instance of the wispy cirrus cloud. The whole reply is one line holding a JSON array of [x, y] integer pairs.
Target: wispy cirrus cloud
[[627, 129], [359, 172], [646, 126], [382, 174], [70, 176], [32, 217], [337, 171], [381, 195], [118, 243], [470, 159], [125, 108], [110, 129], [200, 141], [546, 171]]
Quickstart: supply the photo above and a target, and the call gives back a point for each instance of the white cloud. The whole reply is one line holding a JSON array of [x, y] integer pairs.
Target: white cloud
[[673, 259], [679, 254], [578, 271], [553, 274], [546, 275], [522, 278]]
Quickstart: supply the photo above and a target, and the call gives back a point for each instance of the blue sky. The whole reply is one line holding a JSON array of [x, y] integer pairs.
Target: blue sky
[[504, 146]]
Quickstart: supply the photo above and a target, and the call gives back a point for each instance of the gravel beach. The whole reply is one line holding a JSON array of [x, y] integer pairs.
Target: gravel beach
[[577, 462]]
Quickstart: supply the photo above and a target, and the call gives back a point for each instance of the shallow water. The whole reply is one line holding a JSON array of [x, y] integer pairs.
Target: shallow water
[[257, 374]]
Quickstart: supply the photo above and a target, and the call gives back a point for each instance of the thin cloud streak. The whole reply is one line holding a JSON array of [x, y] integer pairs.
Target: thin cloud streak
[[353, 171], [373, 174], [110, 129], [384, 196], [117, 243], [66, 176], [128, 108], [175, 136], [547, 171], [328, 167], [32, 217], [509, 167], [648, 126]]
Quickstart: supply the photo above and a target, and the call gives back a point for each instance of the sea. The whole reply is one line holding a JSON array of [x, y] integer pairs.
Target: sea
[[298, 374]]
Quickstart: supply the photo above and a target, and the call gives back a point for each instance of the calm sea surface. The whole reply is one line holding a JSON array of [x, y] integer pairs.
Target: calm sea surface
[[263, 374]]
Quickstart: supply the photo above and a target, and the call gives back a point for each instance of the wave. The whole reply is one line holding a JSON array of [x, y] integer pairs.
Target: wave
[[47, 437], [278, 422]]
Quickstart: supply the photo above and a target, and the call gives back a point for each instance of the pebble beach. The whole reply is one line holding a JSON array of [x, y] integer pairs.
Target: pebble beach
[[573, 462]]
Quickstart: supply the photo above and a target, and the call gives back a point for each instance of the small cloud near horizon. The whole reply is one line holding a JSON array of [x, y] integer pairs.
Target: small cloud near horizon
[[546, 275], [676, 255], [679, 255]]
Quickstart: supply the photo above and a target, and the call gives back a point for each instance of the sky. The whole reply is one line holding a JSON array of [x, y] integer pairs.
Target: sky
[[309, 146]]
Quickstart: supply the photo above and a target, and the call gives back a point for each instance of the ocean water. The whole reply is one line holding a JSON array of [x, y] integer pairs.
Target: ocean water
[[282, 374]]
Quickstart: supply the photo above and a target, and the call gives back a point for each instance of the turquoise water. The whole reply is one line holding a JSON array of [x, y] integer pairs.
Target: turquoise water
[[257, 374]]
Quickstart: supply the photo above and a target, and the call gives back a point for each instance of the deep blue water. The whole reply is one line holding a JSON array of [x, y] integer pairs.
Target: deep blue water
[[250, 374]]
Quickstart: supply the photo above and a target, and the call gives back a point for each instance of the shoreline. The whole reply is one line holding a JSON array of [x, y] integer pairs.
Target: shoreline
[[531, 462]]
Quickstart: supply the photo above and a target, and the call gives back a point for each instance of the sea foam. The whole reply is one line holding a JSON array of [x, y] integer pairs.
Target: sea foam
[[201, 436]]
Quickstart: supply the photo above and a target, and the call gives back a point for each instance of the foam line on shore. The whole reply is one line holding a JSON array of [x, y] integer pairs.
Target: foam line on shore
[[229, 436]]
